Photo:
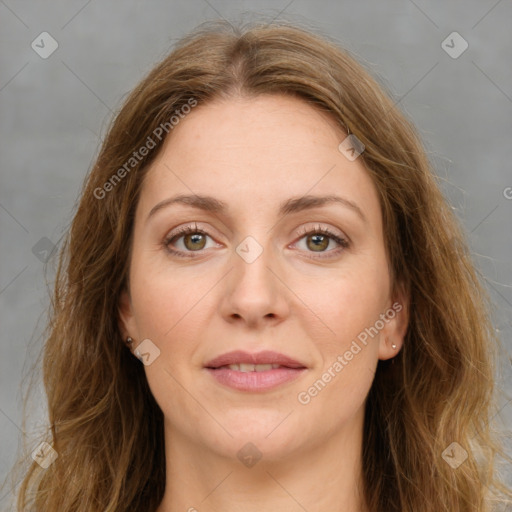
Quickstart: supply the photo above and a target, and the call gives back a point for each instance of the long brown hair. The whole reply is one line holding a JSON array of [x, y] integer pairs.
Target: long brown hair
[[104, 422]]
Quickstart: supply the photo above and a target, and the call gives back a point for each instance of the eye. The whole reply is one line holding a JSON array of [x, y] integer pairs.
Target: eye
[[194, 240], [318, 239]]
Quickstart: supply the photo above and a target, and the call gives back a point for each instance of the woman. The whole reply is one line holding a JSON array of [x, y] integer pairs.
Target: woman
[[264, 302]]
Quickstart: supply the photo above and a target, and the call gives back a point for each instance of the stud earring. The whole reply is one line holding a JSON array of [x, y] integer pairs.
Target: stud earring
[[129, 341], [393, 346]]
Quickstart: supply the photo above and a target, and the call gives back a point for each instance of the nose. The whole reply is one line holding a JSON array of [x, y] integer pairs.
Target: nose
[[255, 292]]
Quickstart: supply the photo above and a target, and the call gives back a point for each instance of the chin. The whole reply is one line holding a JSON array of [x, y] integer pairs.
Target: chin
[[271, 432]]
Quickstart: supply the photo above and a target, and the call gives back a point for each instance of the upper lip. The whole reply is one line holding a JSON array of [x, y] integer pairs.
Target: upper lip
[[264, 357]]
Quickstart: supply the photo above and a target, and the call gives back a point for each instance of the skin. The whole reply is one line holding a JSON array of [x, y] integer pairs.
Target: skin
[[254, 153]]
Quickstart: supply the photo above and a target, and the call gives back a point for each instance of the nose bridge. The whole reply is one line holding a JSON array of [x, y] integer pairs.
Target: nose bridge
[[252, 259], [254, 292]]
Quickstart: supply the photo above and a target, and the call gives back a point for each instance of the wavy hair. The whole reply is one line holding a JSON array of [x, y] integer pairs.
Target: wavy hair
[[104, 423]]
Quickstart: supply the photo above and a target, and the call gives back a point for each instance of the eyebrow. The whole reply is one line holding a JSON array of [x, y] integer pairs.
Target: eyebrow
[[292, 205]]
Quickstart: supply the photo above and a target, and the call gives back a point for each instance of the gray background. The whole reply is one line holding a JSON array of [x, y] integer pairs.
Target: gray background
[[54, 112]]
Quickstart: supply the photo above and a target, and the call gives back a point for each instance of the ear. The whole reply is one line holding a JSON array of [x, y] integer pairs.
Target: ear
[[395, 329], [126, 320]]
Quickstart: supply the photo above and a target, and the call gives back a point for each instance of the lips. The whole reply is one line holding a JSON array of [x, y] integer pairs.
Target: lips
[[246, 362], [258, 372], [248, 367]]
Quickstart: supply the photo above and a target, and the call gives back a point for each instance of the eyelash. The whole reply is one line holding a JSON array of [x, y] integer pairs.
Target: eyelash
[[344, 243]]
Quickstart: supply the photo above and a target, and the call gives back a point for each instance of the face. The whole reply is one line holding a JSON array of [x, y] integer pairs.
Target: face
[[309, 282]]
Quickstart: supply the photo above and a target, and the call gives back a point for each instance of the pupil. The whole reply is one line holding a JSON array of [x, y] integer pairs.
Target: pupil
[[195, 238], [315, 239]]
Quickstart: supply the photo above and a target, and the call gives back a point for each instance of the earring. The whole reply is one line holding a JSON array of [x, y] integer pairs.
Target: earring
[[129, 341], [393, 346]]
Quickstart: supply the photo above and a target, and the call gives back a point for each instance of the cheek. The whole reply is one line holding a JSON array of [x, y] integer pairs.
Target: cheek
[[347, 303], [338, 397], [163, 299], [166, 310], [348, 354]]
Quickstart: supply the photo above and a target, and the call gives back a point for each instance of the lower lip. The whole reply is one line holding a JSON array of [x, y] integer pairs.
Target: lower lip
[[255, 381]]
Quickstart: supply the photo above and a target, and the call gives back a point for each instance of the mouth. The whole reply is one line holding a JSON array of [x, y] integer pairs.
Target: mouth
[[254, 372], [248, 367]]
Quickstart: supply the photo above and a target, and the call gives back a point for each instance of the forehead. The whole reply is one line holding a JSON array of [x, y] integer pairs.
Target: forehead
[[255, 152]]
